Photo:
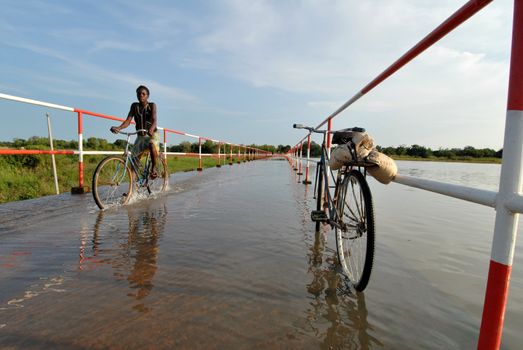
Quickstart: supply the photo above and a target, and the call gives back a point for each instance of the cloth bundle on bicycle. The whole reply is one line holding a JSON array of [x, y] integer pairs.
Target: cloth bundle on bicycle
[[385, 168], [379, 165], [343, 153]]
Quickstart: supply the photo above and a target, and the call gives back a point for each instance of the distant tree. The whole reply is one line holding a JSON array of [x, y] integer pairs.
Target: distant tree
[[401, 150], [119, 144], [419, 151]]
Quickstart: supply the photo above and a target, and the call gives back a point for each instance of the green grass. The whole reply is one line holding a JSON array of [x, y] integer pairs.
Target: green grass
[[26, 177]]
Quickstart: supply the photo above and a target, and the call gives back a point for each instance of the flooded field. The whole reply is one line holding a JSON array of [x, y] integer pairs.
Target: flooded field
[[229, 259]]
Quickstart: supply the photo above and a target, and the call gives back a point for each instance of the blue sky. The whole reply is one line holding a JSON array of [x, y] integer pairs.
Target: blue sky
[[245, 71]]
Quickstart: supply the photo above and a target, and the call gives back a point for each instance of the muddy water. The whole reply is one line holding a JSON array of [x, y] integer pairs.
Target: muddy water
[[228, 259]]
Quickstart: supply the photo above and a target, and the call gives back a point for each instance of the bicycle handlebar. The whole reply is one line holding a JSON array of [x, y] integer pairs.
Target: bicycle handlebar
[[311, 129], [132, 133]]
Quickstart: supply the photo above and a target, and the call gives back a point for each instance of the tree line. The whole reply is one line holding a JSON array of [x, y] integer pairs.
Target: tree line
[[94, 143], [417, 151]]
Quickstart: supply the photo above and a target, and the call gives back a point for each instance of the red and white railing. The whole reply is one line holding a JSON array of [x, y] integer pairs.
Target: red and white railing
[[508, 201], [254, 153]]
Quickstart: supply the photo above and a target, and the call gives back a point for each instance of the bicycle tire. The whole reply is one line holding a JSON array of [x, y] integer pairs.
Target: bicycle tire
[[319, 194], [112, 182], [355, 245], [160, 183]]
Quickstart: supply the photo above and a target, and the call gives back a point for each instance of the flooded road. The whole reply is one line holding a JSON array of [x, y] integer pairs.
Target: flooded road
[[228, 259]]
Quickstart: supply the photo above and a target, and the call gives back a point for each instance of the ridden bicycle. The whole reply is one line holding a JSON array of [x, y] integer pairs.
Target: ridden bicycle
[[347, 209], [117, 177]]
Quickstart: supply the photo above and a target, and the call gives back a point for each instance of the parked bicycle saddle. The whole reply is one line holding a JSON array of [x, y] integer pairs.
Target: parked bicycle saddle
[[343, 136]]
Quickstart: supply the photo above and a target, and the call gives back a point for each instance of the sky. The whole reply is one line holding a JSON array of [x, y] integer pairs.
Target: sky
[[245, 71]]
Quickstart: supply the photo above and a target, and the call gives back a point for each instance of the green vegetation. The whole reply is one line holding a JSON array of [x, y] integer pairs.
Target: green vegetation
[[30, 176], [416, 152]]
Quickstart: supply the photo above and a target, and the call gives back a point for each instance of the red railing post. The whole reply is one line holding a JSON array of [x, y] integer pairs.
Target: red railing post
[[81, 189], [239, 155], [506, 224], [300, 159]]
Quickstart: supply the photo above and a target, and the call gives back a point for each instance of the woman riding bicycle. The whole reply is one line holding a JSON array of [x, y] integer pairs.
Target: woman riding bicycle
[[144, 114]]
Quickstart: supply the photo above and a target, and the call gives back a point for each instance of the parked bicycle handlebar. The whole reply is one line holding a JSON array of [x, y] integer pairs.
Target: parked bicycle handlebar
[[311, 129]]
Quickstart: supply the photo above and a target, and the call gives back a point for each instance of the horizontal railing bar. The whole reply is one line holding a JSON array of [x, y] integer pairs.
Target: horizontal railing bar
[[515, 203], [92, 153], [8, 151], [35, 102], [94, 114], [470, 194]]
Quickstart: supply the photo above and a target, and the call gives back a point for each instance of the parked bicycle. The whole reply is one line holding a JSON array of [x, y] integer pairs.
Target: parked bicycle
[[116, 178], [347, 209]]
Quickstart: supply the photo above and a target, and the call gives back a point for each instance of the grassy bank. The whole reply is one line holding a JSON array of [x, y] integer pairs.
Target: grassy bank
[[26, 177]]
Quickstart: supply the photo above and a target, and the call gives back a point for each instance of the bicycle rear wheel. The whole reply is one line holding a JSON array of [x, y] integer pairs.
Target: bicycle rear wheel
[[159, 184], [112, 182], [355, 240]]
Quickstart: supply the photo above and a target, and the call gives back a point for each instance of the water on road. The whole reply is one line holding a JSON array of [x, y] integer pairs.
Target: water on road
[[229, 259]]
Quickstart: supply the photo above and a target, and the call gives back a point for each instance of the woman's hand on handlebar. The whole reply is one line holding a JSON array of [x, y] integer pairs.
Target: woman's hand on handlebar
[[115, 129]]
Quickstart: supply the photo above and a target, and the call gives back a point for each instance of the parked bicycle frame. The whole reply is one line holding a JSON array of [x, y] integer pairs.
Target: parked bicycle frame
[[117, 177], [348, 209]]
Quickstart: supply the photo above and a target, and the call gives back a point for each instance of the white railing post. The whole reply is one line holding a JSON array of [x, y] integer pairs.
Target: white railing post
[[81, 189], [165, 145], [219, 155], [300, 159], [307, 181], [506, 224], [200, 167]]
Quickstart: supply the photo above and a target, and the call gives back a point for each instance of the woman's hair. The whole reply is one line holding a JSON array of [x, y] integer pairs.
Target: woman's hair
[[144, 88]]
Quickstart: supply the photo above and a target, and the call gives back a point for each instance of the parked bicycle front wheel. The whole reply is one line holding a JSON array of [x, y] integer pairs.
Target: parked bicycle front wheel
[[319, 193], [355, 240], [160, 183], [112, 182]]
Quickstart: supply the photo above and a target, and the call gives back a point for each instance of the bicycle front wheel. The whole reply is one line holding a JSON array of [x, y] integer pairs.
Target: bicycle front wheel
[[319, 193], [355, 238], [159, 184], [112, 182]]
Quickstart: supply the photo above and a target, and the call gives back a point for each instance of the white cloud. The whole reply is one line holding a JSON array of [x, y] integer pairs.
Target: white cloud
[[311, 47]]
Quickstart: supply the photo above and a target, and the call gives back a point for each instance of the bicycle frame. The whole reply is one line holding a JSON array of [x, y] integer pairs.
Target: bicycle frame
[[142, 175], [330, 200]]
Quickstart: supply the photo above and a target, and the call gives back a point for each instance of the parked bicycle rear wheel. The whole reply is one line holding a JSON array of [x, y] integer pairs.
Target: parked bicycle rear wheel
[[159, 184], [355, 243], [112, 182]]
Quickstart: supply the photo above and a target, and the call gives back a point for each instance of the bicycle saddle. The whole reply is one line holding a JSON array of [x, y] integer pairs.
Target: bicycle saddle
[[343, 136]]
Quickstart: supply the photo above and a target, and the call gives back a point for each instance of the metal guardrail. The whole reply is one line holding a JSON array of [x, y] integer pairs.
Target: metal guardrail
[[248, 152]]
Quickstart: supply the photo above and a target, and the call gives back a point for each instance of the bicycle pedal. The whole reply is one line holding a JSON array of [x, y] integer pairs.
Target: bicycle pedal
[[319, 216]]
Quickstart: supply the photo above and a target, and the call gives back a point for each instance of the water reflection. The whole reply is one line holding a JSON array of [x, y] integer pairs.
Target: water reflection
[[337, 315], [134, 255]]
